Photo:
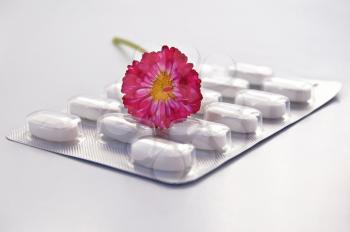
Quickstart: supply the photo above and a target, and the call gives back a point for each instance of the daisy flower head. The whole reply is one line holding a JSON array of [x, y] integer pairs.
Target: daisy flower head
[[161, 88]]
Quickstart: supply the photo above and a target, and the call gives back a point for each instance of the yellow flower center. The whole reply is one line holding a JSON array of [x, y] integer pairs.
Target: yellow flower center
[[162, 89]]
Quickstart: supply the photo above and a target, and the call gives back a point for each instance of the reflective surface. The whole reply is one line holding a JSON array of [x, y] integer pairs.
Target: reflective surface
[[282, 185]]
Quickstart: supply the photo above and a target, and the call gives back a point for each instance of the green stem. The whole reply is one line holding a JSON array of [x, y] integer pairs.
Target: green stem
[[117, 41]]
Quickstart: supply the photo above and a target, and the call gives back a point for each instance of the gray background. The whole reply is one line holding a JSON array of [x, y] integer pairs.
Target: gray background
[[297, 181]]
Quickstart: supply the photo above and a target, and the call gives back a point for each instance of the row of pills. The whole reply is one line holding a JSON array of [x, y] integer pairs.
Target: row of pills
[[240, 76]]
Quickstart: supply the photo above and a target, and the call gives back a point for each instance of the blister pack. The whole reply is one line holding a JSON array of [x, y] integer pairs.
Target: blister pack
[[242, 105]]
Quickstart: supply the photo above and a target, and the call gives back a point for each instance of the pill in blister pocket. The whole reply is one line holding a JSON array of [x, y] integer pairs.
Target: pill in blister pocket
[[54, 126], [209, 70], [202, 134], [227, 86], [114, 91], [209, 96], [295, 90], [252, 73], [271, 105], [122, 127], [161, 154], [238, 118], [92, 108]]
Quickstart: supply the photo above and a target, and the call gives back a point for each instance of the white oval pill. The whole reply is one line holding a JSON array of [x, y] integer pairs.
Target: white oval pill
[[295, 90], [227, 86], [92, 108], [271, 105], [238, 118], [209, 96], [210, 70], [54, 126], [114, 91], [161, 154], [202, 134], [254, 74], [122, 127]]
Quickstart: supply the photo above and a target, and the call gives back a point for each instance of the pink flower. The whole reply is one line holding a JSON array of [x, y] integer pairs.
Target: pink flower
[[161, 88]]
